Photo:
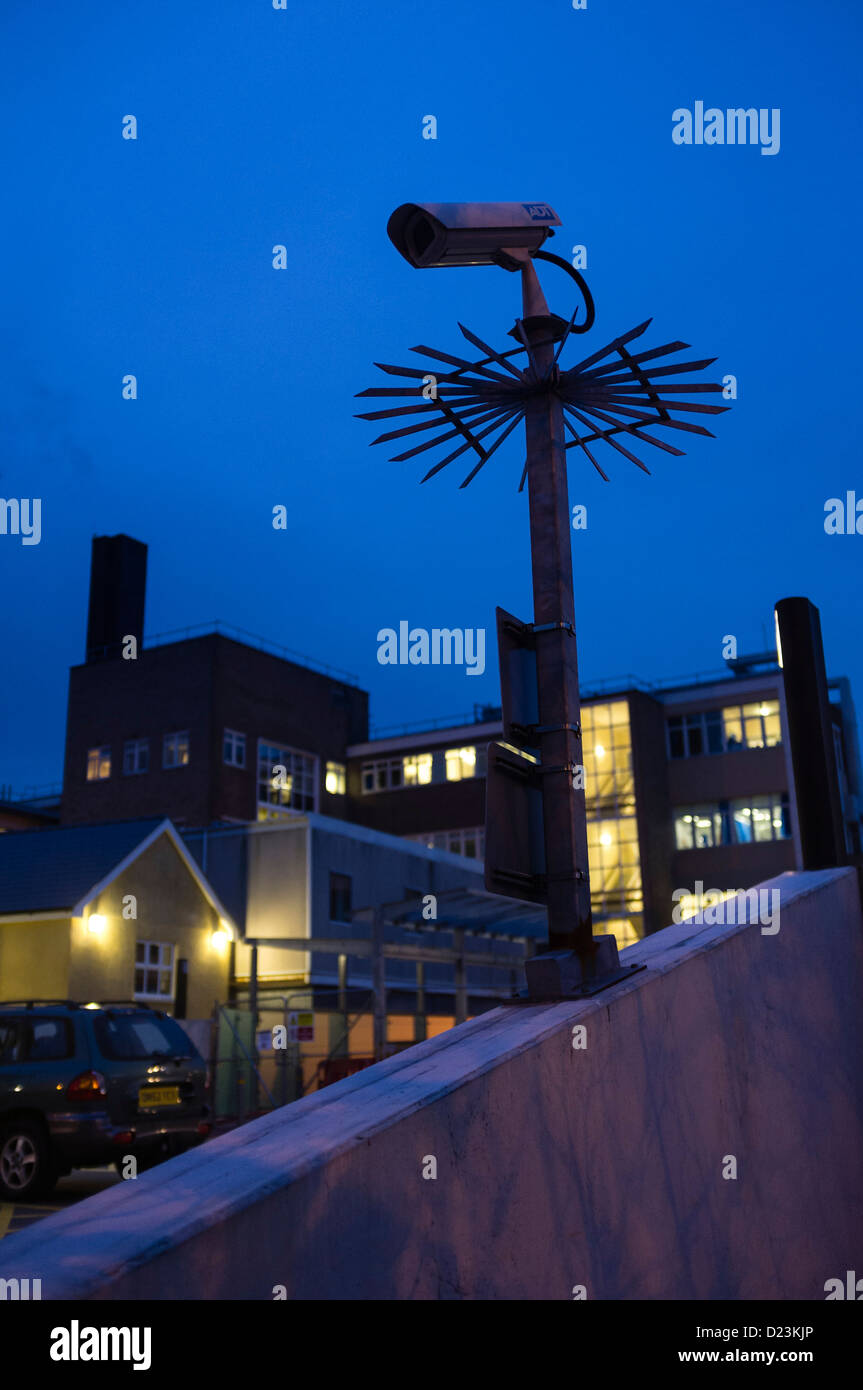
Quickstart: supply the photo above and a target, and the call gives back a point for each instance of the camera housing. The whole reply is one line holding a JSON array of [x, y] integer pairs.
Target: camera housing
[[431, 235]]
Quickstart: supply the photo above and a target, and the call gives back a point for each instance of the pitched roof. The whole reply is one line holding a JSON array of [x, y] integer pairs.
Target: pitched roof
[[52, 870]]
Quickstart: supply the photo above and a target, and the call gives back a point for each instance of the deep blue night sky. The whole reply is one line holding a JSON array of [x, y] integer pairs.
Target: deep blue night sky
[[304, 127]]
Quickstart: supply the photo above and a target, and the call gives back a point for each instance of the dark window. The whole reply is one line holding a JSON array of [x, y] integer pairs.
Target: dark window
[[10, 1034], [713, 720], [695, 734], [125, 1037], [136, 756], [340, 897], [675, 738], [49, 1040]]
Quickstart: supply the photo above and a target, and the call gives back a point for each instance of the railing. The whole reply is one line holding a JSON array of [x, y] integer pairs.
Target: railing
[[250, 639], [32, 795], [481, 714]]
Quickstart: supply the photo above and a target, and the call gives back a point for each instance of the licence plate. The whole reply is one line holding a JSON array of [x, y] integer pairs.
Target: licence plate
[[151, 1096]]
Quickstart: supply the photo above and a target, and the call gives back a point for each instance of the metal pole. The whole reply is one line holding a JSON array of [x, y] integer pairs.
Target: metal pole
[[821, 824], [379, 985], [460, 976], [420, 1027], [285, 1067], [253, 1010], [564, 808], [343, 983], [342, 1014]]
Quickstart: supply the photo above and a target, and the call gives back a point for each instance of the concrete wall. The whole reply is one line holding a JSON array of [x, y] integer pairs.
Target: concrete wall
[[557, 1167]]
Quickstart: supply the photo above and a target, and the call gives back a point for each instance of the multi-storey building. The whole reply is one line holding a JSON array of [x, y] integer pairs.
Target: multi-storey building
[[689, 785], [689, 790], [211, 726]]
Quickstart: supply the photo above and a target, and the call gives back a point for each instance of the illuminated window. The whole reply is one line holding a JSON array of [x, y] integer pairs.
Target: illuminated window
[[460, 763], [724, 731], [732, 724], [754, 726], [335, 779], [742, 822], [626, 930], [417, 769], [98, 764], [616, 896], [175, 750], [154, 970], [608, 778], [271, 813], [616, 893], [287, 778], [759, 818], [136, 756], [234, 748], [702, 827], [691, 905]]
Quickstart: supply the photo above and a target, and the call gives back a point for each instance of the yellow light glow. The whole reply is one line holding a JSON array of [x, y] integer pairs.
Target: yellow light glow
[[765, 709], [222, 936], [460, 763], [605, 838], [96, 923], [599, 751]]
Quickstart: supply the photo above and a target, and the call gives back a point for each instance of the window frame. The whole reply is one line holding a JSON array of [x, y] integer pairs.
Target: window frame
[[146, 996], [706, 720], [134, 745], [723, 814], [334, 888], [171, 739], [307, 770], [237, 740], [102, 754]]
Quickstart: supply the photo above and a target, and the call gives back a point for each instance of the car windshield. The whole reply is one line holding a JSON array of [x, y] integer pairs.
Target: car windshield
[[124, 1037]]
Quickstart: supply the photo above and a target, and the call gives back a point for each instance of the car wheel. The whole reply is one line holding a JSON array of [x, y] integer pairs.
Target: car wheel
[[26, 1167]]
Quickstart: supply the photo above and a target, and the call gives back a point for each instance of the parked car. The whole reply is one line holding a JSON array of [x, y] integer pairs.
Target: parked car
[[83, 1085]]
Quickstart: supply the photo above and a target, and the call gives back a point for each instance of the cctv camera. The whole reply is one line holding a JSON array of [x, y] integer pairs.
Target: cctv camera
[[443, 234]]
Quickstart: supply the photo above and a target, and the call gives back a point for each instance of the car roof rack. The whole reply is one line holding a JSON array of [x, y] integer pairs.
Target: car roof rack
[[125, 1003], [32, 1003], [77, 1004]]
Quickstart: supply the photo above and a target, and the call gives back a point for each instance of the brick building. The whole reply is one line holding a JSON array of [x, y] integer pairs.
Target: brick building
[[205, 725], [687, 783]]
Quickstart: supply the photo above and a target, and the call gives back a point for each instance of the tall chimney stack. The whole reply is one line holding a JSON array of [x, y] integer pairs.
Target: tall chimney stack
[[118, 585]]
